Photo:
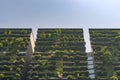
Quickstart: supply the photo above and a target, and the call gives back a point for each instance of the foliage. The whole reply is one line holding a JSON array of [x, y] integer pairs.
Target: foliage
[[36, 66], [23, 31], [13, 59], [22, 60], [1, 44], [70, 77], [114, 77], [59, 68], [59, 53], [71, 51], [11, 68], [36, 77], [8, 32], [17, 43], [107, 56], [43, 62], [43, 35], [18, 69], [82, 77], [49, 35], [107, 59], [59, 62], [58, 31], [37, 57], [2, 75], [17, 75]]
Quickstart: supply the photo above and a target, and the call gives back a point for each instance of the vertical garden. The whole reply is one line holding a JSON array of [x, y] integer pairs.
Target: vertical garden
[[59, 54], [13, 49], [106, 45]]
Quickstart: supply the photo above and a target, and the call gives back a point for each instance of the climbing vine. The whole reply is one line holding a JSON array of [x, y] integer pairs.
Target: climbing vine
[[59, 62], [107, 59]]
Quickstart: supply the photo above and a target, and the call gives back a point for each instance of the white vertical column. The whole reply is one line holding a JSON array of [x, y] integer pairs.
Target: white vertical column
[[87, 39], [89, 50]]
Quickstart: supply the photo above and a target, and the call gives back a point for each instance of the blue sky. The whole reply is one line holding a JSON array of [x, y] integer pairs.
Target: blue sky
[[59, 13]]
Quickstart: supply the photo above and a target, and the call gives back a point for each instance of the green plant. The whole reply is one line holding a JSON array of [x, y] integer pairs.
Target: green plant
[[70, 77], [59, 68], [19, 39], [59, 62], [17, 75], [22, 60], [18, 69], [82, 77], [114, 77], [107, 59], [36, 66], [23, 31], [49, 35], [12, 58], [2, 75], [45, 74], [58, 31], [43, 62], [11, 68], [1, 45], [17, 43], [71, 51], [59, 53], [36, 77], [43, 35], [37, 57], [56, 37], [8, 32]]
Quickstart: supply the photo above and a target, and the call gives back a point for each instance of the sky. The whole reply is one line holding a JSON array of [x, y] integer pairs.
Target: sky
[[60, 13]]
